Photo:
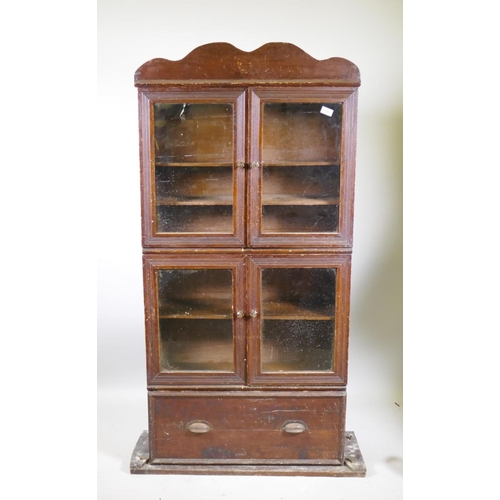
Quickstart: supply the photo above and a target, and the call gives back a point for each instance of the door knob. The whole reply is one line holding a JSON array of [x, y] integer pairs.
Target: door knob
[[254, 313]]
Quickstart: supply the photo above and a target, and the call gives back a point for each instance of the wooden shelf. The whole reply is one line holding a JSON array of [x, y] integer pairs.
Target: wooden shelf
[[287, 311], [195, 315], [195, 200], [197, 309], [313, 219], [163, 163], [193, 220], [292, 163], [274, 359], [207, 355], [284, 163], [212, 309], [266, 200], [285, 199]]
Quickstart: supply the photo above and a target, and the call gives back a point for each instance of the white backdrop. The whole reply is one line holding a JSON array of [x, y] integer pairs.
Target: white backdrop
[[369, 34]]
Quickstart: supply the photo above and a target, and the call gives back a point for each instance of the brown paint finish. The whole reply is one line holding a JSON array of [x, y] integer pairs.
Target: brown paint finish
[[338, 375], [246, 428], [280, 62], [258, 97], [247, 297], [193, 238], [247, 196], [247, 202], [156, 376]]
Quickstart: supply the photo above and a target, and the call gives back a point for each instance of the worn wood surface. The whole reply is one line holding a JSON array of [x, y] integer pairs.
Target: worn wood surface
[[237, 414], [207, 234], [247, 428], [224, 63], [243, 226], [247, 296], [154, 262], [338, 376], [307, 132], [353, 466]]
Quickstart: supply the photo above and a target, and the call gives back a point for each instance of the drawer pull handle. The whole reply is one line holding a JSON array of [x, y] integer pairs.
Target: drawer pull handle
[[294, 427], [198, 427]]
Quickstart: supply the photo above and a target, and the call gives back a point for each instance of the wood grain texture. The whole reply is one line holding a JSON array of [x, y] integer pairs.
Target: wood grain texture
[[338, 375], [196, 237], [256, 236], [246, 428], [152, 263], [247, 296], [353, 466], [229, 141], [224, 63]]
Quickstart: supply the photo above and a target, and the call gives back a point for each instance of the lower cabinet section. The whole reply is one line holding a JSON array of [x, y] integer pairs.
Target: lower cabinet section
[[247, 427]]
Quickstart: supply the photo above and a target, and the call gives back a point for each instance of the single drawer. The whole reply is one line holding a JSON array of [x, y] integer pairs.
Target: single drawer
[[247, 427]]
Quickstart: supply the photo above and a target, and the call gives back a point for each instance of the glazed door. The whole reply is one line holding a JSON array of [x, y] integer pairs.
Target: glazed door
[[299, 319], [193, 148], [301, 185], [195, 328]]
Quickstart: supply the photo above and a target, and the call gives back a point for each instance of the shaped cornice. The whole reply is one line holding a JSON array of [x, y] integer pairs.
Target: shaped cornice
[[222, 63]]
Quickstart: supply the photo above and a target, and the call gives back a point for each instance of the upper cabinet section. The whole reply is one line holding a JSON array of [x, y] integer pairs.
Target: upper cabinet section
[[247, 149]]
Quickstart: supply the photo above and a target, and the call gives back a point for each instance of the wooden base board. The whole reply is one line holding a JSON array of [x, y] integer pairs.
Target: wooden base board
[[354, 465]]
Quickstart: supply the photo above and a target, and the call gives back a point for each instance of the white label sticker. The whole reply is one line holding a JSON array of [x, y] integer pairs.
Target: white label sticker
[[326, 111]]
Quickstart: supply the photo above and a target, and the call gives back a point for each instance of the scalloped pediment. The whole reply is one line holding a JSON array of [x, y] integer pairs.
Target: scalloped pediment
[[215, 62]]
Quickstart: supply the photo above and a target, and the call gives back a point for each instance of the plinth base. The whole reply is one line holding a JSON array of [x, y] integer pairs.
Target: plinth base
[[354, 465]]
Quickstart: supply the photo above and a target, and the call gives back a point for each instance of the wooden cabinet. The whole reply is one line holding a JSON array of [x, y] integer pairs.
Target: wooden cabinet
[[247, 176]]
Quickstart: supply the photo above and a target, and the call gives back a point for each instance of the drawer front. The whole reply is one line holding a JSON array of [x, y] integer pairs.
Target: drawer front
[[217, 427]]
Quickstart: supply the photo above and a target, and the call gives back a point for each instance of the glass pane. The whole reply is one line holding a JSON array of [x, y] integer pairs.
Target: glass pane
[[194, 186], [301, 173], [298, 319], [300, 199], [299, 218], [193, 168], [196, 328], [193, 133], [192, 199], [194, 219], [302, 133]]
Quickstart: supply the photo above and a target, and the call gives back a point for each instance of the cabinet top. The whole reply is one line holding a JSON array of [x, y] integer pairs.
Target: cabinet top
[[223, 63]]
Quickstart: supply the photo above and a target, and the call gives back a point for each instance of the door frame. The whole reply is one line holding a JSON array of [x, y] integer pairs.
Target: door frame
[[154, 262], [347, 96], [147, 99], [255, 375]]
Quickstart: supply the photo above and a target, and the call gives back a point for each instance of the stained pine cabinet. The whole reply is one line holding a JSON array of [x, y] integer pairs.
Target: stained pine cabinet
[[247, 183], [276, 177]]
